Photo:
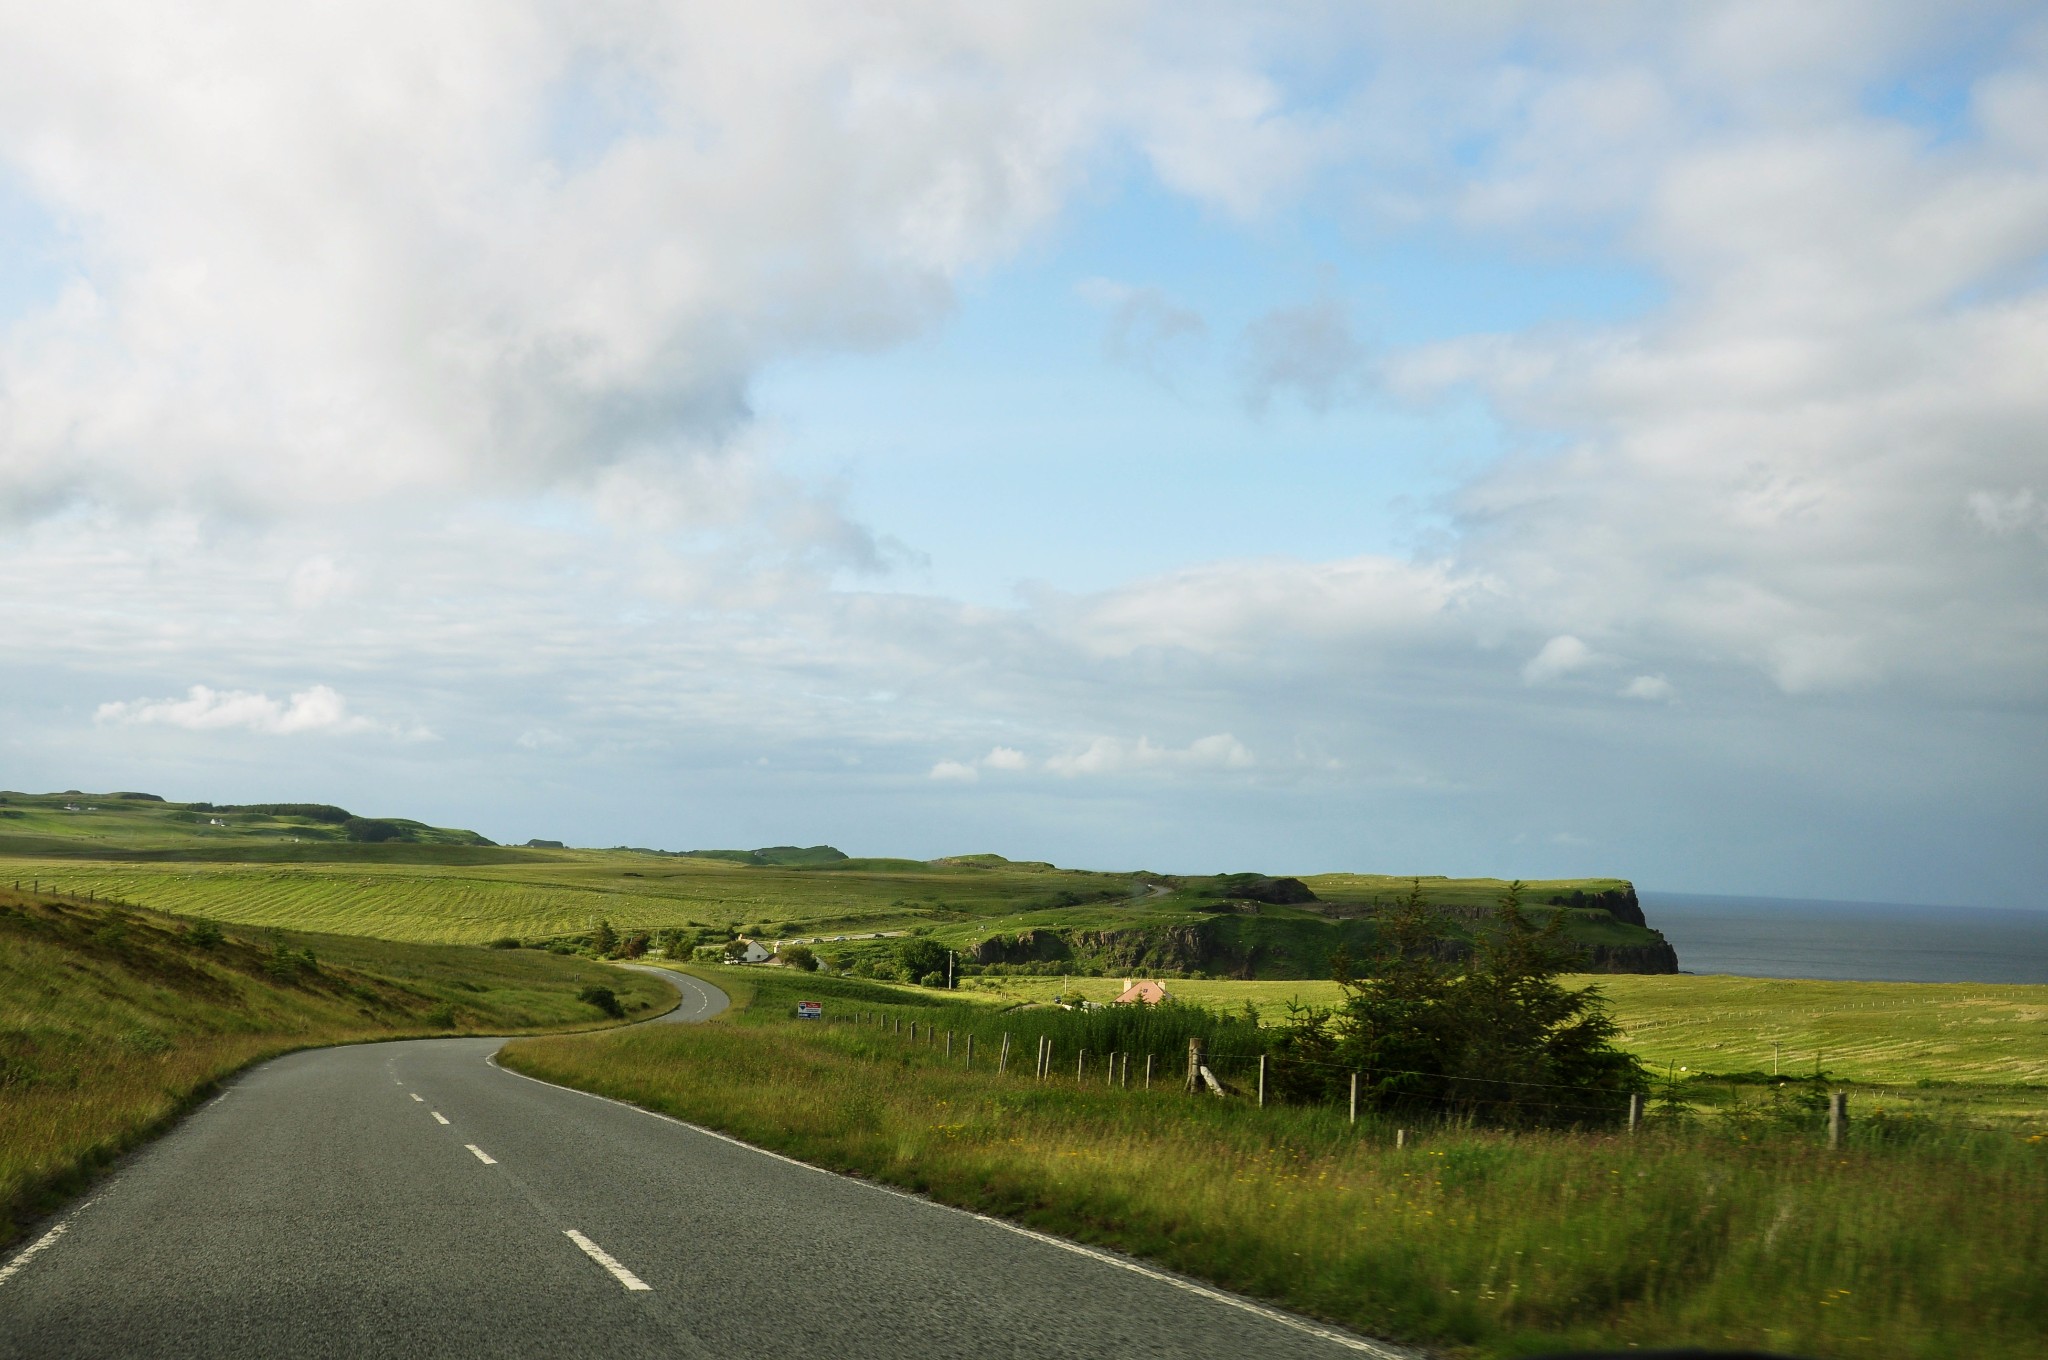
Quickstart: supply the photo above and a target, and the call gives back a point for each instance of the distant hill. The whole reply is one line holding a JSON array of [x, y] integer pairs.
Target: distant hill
[[780, 856], [129, 824]]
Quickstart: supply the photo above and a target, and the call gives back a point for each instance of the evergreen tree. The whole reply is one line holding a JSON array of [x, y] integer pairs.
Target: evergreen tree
[[1497, 1038]]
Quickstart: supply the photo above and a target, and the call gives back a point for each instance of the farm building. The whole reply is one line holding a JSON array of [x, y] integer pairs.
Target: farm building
[[1144, 990]]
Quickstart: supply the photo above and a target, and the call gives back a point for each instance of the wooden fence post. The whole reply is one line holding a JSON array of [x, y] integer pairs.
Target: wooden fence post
[[1354, 1097], [949, 1043], [1081, 1067], [970, 1052], [1262, 1081], [1635, 1110], [1195, 1056], [1126, 1083], [1400, 1138], [1003, 1060], [1838, 1117], [1148, 1071], [1110, 1076]]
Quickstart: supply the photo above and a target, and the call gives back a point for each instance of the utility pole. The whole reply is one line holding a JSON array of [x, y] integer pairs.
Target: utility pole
[[950, 956]]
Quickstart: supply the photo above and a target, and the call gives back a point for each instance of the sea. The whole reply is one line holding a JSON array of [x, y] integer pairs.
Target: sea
[[1859, 941]]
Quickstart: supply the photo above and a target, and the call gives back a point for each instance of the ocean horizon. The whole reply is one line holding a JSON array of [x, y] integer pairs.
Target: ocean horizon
[[1850, 941]]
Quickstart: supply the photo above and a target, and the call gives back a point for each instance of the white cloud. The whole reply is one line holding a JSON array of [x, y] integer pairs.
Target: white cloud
[[1561, 656], [318, 580], [1006, 758], [1114, 756], [319, 709], [2009, 512], [955, 771], [1653, 688], [349, 254]]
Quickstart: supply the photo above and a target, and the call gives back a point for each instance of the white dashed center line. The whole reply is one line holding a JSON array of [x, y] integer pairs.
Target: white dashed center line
[[49, 1239], [604, 1258], [439, 1118], [486, 1158], [417, 1096]]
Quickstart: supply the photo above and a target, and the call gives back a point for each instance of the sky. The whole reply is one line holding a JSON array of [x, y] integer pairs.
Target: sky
[[1484, 439]]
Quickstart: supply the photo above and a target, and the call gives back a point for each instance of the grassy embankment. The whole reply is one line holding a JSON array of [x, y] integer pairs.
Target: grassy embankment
[[1912, 1241], [113, 1022]]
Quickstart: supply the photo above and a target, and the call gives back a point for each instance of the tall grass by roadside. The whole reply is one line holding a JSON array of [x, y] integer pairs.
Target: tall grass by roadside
[[114, 1021], [1920, 1245]]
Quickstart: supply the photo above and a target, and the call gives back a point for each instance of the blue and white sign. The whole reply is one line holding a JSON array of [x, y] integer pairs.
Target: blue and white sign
[[810, 1010]]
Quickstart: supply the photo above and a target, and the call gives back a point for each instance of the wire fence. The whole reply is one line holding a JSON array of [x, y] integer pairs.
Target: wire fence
[[1037, 1047]]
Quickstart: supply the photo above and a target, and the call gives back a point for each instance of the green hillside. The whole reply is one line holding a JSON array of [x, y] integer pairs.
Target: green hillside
[[122, 824], [294, 865]]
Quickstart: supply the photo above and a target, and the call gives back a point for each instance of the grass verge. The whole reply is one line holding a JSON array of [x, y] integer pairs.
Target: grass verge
[[1899, 1245], [114, 1022]]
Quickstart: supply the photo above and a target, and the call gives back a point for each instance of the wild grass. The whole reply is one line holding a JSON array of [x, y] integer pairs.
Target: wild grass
[[1921, 1244], [112, 1022], [1872, 1032]]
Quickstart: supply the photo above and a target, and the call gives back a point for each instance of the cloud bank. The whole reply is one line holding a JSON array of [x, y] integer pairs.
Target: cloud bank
[[423, 351], [319, 709]]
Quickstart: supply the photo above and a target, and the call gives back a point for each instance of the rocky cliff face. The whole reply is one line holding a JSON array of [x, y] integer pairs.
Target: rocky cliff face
[[1248, 947], [1620, 903]]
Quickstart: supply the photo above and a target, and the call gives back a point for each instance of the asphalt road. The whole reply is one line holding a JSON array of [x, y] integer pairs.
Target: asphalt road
[[414, 1199]]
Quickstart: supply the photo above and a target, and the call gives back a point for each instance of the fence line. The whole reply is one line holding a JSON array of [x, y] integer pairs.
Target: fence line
[[1833, 1120]]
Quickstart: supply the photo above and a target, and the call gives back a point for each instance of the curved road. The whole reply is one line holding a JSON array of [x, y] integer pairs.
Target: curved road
[[415, 1199]]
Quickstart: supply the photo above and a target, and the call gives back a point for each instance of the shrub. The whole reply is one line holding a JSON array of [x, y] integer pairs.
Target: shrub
[[505, 942], [604, 999], [635, 945], [932, 980], [799, 956], [920, 956]]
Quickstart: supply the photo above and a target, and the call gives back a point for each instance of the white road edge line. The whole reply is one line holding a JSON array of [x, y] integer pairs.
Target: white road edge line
[[604, 1258], [439, 1118], [1214, 1295], [486, 1158], [43, 1243]]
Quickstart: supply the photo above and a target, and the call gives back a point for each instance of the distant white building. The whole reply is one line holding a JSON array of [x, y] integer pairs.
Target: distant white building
[[756, 952]]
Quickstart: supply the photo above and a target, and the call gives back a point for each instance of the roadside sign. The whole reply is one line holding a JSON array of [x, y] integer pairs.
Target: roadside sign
[[810, 1010]]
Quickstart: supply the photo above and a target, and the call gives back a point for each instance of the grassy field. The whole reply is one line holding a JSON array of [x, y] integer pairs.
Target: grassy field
[[1491, 1243], [1872, 1032], [544, 893], [113, 1022], [549, 894], [275, 866]]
